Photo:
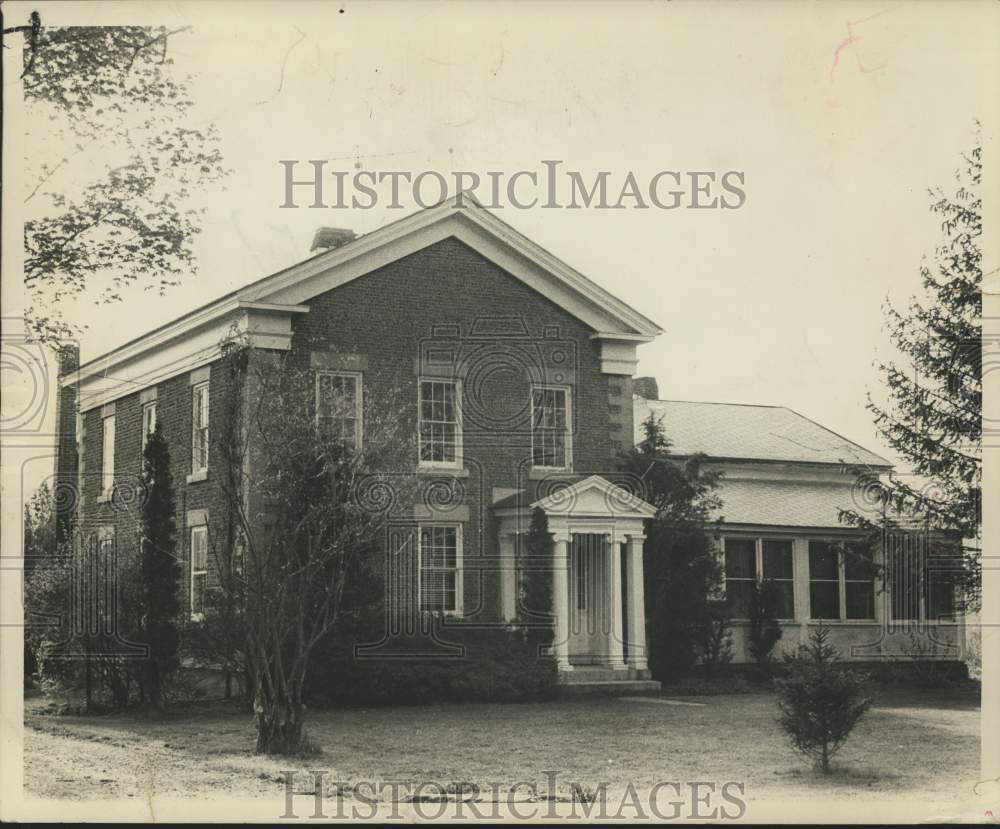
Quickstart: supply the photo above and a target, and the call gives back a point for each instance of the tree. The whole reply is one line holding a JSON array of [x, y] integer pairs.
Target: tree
[[306, 504], [535, 581], [113, 163], [764, 631], [161, 572], [40, 551], [933, 414], [683, 573], [819, 702]]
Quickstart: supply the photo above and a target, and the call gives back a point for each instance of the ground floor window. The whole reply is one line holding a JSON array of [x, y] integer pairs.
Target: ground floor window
[[921, 578], [841, 582], [199, 570], [749, 561], [439, 553]]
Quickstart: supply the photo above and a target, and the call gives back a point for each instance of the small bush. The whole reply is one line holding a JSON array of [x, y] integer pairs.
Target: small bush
[[764, 629], [820, 702]]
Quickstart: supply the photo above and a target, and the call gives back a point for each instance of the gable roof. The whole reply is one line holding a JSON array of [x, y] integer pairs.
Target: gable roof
[[460, 216], [736, 431]]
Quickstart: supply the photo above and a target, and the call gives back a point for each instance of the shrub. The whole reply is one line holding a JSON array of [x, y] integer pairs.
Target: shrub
[[764, 629], [498, 665], [716, 644], [820, 702]]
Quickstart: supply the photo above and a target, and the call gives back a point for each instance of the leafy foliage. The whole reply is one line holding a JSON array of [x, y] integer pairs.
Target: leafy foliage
[[115, 160], [933, 414], [764, 631], [682, 572], [303, 519], [819, 701], [716, 645], [160, 570]]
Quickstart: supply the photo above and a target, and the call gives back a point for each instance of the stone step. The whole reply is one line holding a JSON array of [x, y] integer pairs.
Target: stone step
[[614, 687]]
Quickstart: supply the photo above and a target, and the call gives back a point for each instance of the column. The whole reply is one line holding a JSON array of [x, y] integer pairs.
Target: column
[[616, 658], [508, 577], [636, 604], [560, 600]]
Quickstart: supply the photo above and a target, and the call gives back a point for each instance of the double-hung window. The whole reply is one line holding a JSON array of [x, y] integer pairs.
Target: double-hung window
[[440, 566], [339, 406], [199, 428], [148, 422], [841, 582], [440, 423], [551, 428], [749, 561], [108, 456], [199, 570]]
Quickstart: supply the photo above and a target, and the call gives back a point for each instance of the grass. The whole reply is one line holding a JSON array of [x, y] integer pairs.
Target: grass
[[921, 744]]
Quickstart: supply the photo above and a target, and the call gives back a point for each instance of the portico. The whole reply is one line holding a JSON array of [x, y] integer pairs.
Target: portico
[[598, 603]]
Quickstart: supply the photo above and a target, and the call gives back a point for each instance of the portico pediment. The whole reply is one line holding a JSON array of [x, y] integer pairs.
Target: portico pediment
[[594, 497]]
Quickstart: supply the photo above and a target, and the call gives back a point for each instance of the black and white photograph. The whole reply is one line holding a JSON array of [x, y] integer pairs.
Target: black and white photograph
[[460, 411]]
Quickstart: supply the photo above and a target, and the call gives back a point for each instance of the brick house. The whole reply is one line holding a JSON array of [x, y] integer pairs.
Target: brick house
[[520, 374], [519, 371]]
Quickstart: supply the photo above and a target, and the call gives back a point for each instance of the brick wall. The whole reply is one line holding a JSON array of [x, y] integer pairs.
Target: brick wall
[[174, 413], [447, 299]]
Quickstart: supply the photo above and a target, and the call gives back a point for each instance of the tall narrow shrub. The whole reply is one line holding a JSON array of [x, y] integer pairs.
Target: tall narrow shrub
[[160, 570]]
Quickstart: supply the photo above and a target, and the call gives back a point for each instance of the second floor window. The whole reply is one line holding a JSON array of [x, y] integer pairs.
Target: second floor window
[[148, 422], [108, 455], [199, 428], [199, 570], [550, 427], [338, 407], [440, 423]]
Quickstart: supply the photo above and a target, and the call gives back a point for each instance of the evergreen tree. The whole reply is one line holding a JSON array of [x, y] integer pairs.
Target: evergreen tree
[[160, 570], [682, 571], [933, 414], [535, 580], [820, 702]]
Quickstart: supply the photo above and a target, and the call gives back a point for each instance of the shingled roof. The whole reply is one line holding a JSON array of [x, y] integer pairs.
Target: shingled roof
[[743, 432]]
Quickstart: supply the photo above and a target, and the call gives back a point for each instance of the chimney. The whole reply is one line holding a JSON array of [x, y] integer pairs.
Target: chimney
[[67, 461], [328, 238], [646, 387]]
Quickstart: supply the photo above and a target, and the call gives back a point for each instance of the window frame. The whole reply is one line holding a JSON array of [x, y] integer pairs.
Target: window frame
[[358, 378], [146, 409], [108, 456], [457, 611], [459, 461], [196, 428], [199, 529], [841, 585], [758, 576], [568, 435]]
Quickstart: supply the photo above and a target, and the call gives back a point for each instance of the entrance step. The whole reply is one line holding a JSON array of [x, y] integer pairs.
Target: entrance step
[[613, 687], [598, 673]]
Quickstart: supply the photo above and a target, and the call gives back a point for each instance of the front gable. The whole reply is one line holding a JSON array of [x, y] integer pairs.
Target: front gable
[[264, 310]]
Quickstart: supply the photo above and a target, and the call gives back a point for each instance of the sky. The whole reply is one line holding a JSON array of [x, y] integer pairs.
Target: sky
[[840, 116]]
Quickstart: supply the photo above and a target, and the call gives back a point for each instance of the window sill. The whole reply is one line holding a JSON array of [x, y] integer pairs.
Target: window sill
[[537, 473], [452, 471], [195, 477], [105, 497]]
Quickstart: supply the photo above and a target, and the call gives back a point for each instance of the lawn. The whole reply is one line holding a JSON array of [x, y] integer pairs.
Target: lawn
[[919, 745]]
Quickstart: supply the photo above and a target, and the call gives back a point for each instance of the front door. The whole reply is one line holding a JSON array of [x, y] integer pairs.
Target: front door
[[589, 623]]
